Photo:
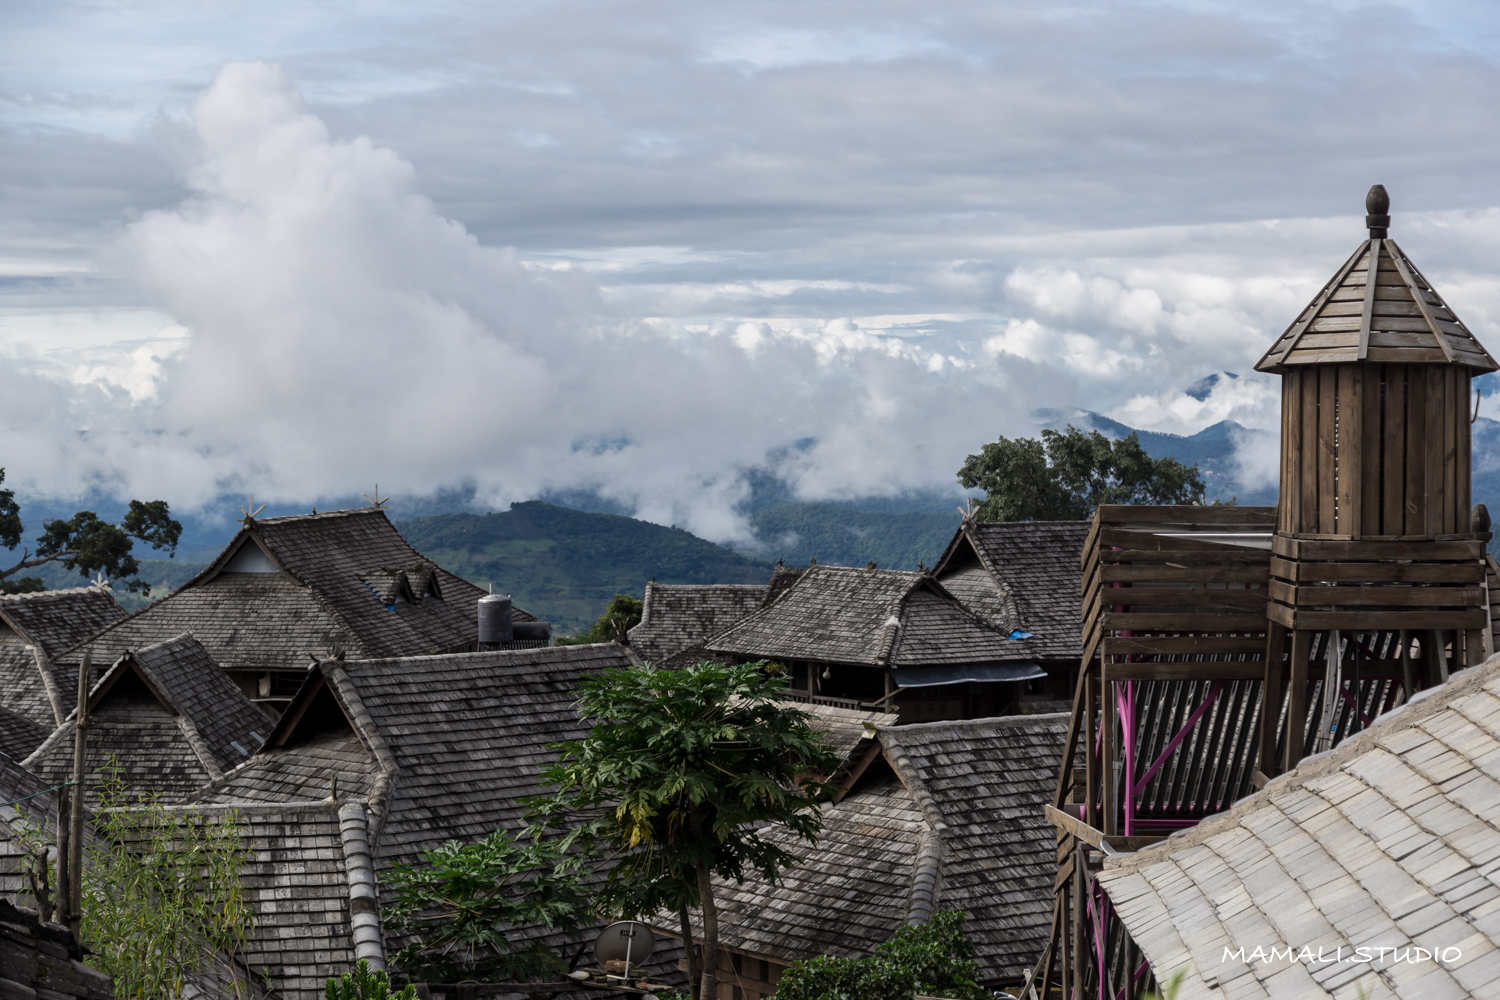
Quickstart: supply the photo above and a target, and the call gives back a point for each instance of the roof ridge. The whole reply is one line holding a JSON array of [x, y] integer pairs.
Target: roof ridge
[[916, 787], [59, 592], [283, 519]]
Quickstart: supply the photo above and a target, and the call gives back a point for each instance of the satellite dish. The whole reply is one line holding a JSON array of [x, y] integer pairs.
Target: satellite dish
[[625, 940]]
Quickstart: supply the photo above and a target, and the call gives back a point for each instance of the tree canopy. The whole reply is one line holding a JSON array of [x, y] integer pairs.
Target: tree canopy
[[1066, 474], [680, 774], [623, 614], [85, 542]]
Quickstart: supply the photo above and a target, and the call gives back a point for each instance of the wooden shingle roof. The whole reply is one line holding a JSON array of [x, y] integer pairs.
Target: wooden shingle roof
[[961, 827], [444, 747], [19, 736], [982, 786], [1377, 308], [34, 628], [335, 584], [56, 619], [677, 618], [170, 718], [33, 807], [870, 617], [305, 864], [1036, 565], [1388, 841]]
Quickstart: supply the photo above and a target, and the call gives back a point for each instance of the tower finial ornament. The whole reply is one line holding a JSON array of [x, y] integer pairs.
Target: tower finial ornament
[[1378, 207]]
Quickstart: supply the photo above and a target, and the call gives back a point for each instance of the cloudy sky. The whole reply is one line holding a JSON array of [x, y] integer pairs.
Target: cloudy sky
[[641, 246]]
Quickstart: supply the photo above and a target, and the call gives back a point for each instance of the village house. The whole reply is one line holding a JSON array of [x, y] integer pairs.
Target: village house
[[1021, 575], [944, 815], [873, 636], [34, 630], [166, 716], [288, 590]]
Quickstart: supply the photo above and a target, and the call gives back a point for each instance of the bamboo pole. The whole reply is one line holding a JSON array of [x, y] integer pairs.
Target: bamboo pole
[[75, 824]]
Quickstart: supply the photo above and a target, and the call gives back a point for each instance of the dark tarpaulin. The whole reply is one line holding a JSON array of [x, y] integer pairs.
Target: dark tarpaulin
[[910, 677]]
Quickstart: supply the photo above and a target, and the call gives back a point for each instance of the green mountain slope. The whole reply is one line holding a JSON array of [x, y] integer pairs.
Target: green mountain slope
[[564, 565], [838, 535]]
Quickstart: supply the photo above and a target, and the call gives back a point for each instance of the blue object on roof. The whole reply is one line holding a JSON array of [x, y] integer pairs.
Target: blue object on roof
[[912, 677], [1018, 634]]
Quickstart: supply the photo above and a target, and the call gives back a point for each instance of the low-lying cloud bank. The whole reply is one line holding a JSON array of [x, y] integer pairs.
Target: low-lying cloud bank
[[330, 329]]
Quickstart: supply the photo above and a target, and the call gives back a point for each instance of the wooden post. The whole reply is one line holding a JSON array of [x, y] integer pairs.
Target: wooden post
[[1090, 767], [64, 852], [1296, 697], [1270, 711], [1439, 659], [75, 832], [1408, 676], [1107, 797], [1080, 904]]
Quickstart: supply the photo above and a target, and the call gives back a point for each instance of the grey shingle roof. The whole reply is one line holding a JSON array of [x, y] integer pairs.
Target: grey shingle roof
[[460, 739], [170, 718], [847, 728], [982, 786], [340, 571], [19, 736], [677, 618], [35, 808], [57, 619], [296, 881], [1389, 840], [51, 621], [850, 892], [962, 829], [869, 617], [1038, 563], [44, 960]]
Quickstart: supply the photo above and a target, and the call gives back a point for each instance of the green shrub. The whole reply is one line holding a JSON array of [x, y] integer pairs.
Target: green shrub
[[362, 984], [934, 959]]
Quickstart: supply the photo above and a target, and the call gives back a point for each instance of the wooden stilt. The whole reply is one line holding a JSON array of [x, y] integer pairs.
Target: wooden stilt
[[1090, 761], [1108, 798], [1296, 710], [1270, 712], [1408, 675]]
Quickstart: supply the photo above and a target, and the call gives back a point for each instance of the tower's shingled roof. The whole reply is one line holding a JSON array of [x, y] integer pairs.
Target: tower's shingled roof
[[1394, 316]]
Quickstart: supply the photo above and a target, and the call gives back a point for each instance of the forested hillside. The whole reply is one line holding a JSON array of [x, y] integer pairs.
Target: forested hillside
[[564, 565]]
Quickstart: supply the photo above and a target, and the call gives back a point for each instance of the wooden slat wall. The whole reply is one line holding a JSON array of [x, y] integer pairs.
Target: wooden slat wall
[[1375, 450]]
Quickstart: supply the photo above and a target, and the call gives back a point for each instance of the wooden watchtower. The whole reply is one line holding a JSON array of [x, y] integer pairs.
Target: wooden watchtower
[[1370, 572], [1374, 530]]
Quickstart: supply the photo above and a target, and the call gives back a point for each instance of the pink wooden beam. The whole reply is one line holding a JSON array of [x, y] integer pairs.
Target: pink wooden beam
[[1181, 735]]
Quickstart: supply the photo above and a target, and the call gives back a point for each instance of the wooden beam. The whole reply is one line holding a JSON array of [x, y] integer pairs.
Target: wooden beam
[[1371, 270], [1270, 713], [1416, 292]]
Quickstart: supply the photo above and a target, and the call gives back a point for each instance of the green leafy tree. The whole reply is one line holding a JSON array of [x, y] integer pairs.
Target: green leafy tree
[[86, 543], [362, 984], [933, 959], [681, 771], [461, 900], [624, 613], [1066, 474], [162, 898]]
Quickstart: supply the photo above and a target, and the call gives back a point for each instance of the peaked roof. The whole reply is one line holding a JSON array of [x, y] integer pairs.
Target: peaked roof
[[19, 736], [1037, 562], [443, 747], [168, 715], [33, 629], [677, 618], [1388, 841], [1379, 308], [959, 826], [983, 785], [342, 580], [53, 620]]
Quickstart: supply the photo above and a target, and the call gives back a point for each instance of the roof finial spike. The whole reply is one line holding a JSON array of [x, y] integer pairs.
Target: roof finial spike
[[251, 510], [377, 500], [1378, 208]]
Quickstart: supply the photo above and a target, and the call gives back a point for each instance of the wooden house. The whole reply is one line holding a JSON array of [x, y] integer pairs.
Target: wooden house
[[429, 748], [873, 636], [169, 719], [34, 630], [676, 619], [945, 815], [1022, 576], [287, 590]]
